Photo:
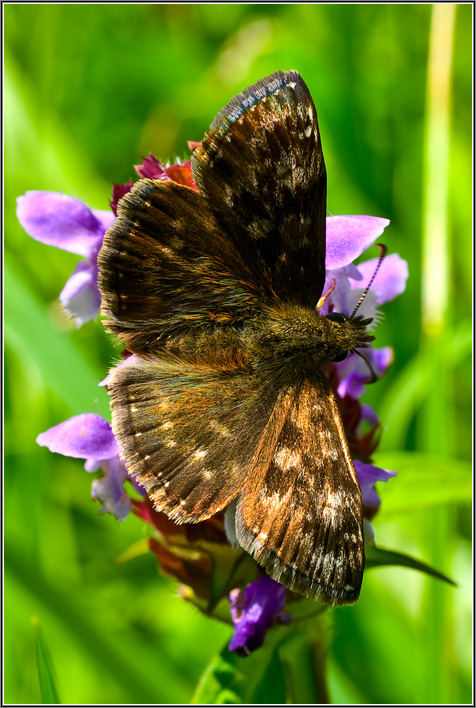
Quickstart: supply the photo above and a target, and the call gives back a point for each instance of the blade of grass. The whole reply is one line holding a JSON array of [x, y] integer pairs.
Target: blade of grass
[[435, 414], [48, 691]]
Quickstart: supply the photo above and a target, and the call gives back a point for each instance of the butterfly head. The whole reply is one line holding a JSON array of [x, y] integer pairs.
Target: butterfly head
[[349, 334]]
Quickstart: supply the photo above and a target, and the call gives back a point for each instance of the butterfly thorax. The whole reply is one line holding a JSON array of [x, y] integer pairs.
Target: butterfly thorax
[[300, 335]]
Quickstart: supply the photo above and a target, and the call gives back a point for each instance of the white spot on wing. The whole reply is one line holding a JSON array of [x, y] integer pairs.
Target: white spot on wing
[[199, 454], [286, 458], [308, 130], [219, 428]]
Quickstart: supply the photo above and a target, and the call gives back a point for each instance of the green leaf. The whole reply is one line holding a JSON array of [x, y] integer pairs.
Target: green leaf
[[376, 557], [255, 679], [423, 481], [49, 694]]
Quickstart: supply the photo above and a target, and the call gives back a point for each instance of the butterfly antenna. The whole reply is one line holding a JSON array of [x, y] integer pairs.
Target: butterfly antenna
[[383, 253], [374, 375]]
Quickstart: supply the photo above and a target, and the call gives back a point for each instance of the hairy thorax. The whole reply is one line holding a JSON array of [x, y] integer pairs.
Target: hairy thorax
[[282, 336], [293, 335]]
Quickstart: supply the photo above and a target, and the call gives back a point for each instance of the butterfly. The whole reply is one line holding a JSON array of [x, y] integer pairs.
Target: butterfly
[[223, 402]]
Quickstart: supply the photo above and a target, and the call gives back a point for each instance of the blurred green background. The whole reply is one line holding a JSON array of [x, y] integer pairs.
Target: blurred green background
[[89, 89]]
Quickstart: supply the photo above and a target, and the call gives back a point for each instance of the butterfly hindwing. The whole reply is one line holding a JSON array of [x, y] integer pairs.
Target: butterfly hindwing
[[262, 172], [300, 512], [188, 432], [166, 266]]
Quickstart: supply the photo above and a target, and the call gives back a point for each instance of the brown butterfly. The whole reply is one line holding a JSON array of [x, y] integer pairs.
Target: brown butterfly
[[214, 292]]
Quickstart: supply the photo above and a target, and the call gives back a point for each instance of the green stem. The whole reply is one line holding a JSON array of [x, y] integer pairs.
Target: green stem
[[303, 656]]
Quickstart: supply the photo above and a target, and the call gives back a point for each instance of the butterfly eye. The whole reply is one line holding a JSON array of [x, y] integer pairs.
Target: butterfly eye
[[341, 357], [337, 317]]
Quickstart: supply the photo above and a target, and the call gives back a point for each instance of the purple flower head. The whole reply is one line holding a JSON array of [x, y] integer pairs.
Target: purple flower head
[[90, 437], [253, 611], [347, 237], [67, 223], [368, 475]]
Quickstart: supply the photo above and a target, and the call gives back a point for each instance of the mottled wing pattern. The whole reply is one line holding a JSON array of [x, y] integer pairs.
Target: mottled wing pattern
[[262, 171], [188, 432], [300, 512], [166, 266]]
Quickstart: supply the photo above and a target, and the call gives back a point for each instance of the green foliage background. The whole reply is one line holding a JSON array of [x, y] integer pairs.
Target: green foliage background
[[88, 90]]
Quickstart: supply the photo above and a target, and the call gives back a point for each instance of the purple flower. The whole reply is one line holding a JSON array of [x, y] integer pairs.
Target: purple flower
[[353, 372], [67, 223], [253, 611], [347, 238], [90, 437], [390, 280], [368, 475]]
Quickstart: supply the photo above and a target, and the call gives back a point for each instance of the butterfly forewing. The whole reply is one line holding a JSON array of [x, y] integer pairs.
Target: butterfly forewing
[[262, 172], [300, 511], [166, 266]]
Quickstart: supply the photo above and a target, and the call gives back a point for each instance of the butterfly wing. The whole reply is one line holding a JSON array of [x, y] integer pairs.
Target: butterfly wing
[[165, 267], [176, 259], [188, 432], [300, 511], [262, 172]]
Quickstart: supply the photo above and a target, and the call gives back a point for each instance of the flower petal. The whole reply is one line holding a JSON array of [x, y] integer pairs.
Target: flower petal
[[182, 174], [105, 217], [61, 221], [347, 237], [253, 610], [118, 191], [353, 373], [390, 280], [109, 490], [87, 435], [151, 168], [368, 475], [80, 296]]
